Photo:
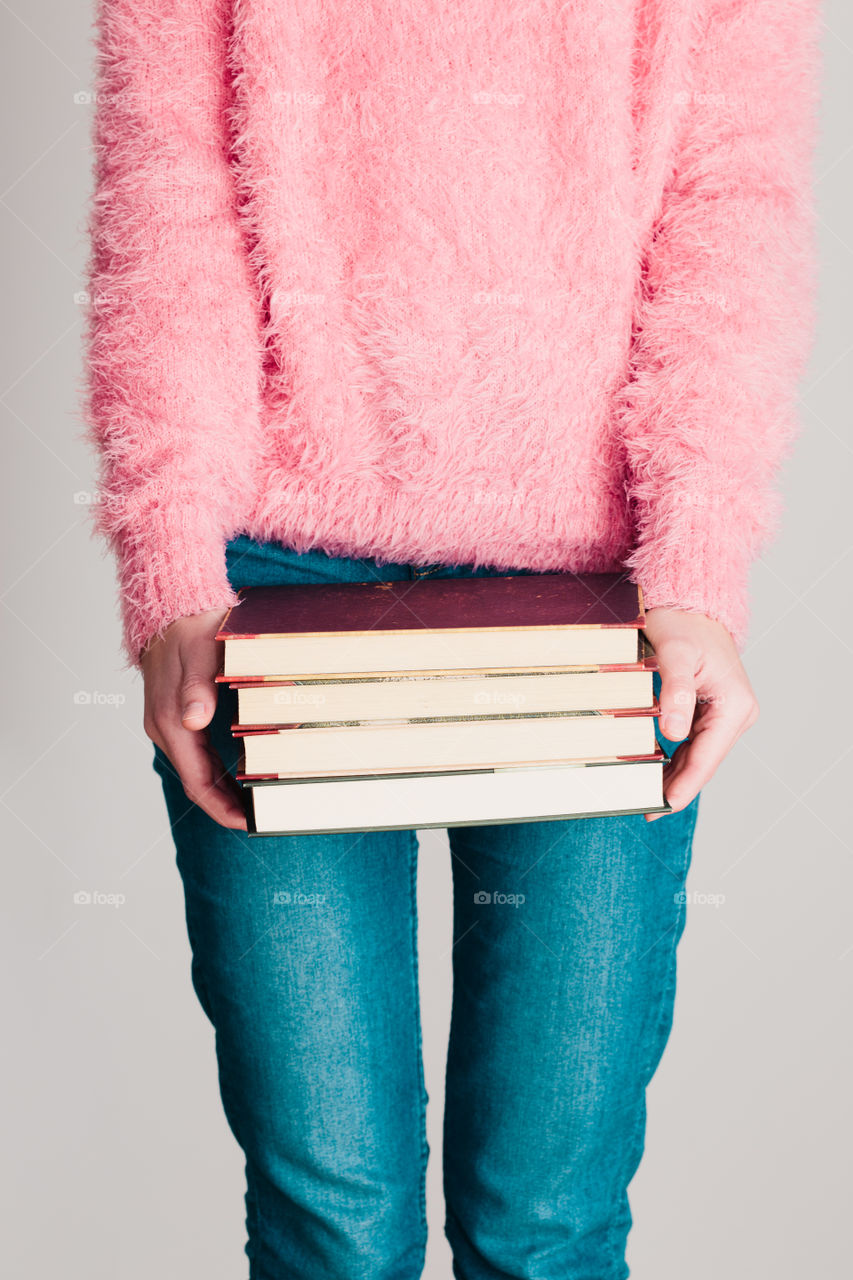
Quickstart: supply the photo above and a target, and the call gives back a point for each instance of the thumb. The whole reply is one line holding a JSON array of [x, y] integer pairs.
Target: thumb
[[198, 701], [200, 661], [678, 693]]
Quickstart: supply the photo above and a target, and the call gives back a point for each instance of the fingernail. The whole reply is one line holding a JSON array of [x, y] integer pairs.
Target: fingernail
[[192, 710], [676, 727]]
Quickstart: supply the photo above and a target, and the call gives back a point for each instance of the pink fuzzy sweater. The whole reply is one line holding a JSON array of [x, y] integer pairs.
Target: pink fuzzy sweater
[[471, 281]]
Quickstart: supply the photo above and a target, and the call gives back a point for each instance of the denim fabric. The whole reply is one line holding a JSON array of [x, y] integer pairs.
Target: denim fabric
[[305, 961]]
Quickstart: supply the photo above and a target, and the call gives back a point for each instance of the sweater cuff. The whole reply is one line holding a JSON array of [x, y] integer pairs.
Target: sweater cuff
[[696, 555], [171, 564]]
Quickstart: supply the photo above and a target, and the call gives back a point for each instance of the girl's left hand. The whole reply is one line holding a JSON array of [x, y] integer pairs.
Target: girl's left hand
[[705, 697]]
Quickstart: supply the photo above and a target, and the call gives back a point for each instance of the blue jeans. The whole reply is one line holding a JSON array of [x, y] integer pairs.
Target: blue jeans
[[305, 961]]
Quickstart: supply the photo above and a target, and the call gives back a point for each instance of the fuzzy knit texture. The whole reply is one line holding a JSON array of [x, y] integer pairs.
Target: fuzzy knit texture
[[459, 281]]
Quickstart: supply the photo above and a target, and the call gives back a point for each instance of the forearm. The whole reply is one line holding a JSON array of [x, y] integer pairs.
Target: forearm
[[173, 344]]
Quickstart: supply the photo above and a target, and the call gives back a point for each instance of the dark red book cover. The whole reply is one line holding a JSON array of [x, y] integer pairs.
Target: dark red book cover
[[434, 604]]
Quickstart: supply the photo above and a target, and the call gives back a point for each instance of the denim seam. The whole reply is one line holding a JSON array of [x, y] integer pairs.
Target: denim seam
[[667, 994], [419, 1066], [668, 990], [614, 1246], [258, 1246]]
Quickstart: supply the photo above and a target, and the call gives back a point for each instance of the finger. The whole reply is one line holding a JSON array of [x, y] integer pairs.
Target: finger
[[677, 668], [204, 778], [670, 770], [702, 756]]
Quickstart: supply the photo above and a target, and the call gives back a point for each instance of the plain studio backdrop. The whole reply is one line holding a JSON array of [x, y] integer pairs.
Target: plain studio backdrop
[[119, 1164]]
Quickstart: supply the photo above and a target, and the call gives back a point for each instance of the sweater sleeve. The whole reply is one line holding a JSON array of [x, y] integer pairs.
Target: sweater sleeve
[[724, 319], [173, 348]]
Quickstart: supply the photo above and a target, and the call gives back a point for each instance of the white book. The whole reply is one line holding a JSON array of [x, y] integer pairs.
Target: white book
[[414, 697], [419, 746], [520, 648], [410, 801]]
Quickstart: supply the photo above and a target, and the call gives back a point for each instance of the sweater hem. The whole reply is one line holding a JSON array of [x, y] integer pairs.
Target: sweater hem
[[485, 527]]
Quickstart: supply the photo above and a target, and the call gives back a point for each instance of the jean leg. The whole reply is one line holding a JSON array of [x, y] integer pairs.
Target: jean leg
[[564, 981], [304, 958]]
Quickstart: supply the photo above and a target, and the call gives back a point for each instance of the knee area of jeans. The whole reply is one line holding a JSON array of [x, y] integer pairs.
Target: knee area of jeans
[[357, 1231], [528, 1243]]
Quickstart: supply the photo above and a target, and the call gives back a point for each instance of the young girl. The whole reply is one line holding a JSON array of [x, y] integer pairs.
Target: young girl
[[390, 289]]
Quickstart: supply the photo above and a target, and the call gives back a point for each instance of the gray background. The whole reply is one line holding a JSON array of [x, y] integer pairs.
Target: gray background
[[119, 1164]]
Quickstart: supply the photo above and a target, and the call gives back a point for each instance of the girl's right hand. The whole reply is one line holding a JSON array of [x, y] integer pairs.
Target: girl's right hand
[[180, 699]]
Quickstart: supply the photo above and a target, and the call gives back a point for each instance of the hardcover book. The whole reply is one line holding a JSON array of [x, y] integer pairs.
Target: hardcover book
[[410, 697], [466, 798], [421, 746], [516, 622]]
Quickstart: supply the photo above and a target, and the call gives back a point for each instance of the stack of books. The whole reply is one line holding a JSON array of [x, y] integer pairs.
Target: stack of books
[[443, 702]]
